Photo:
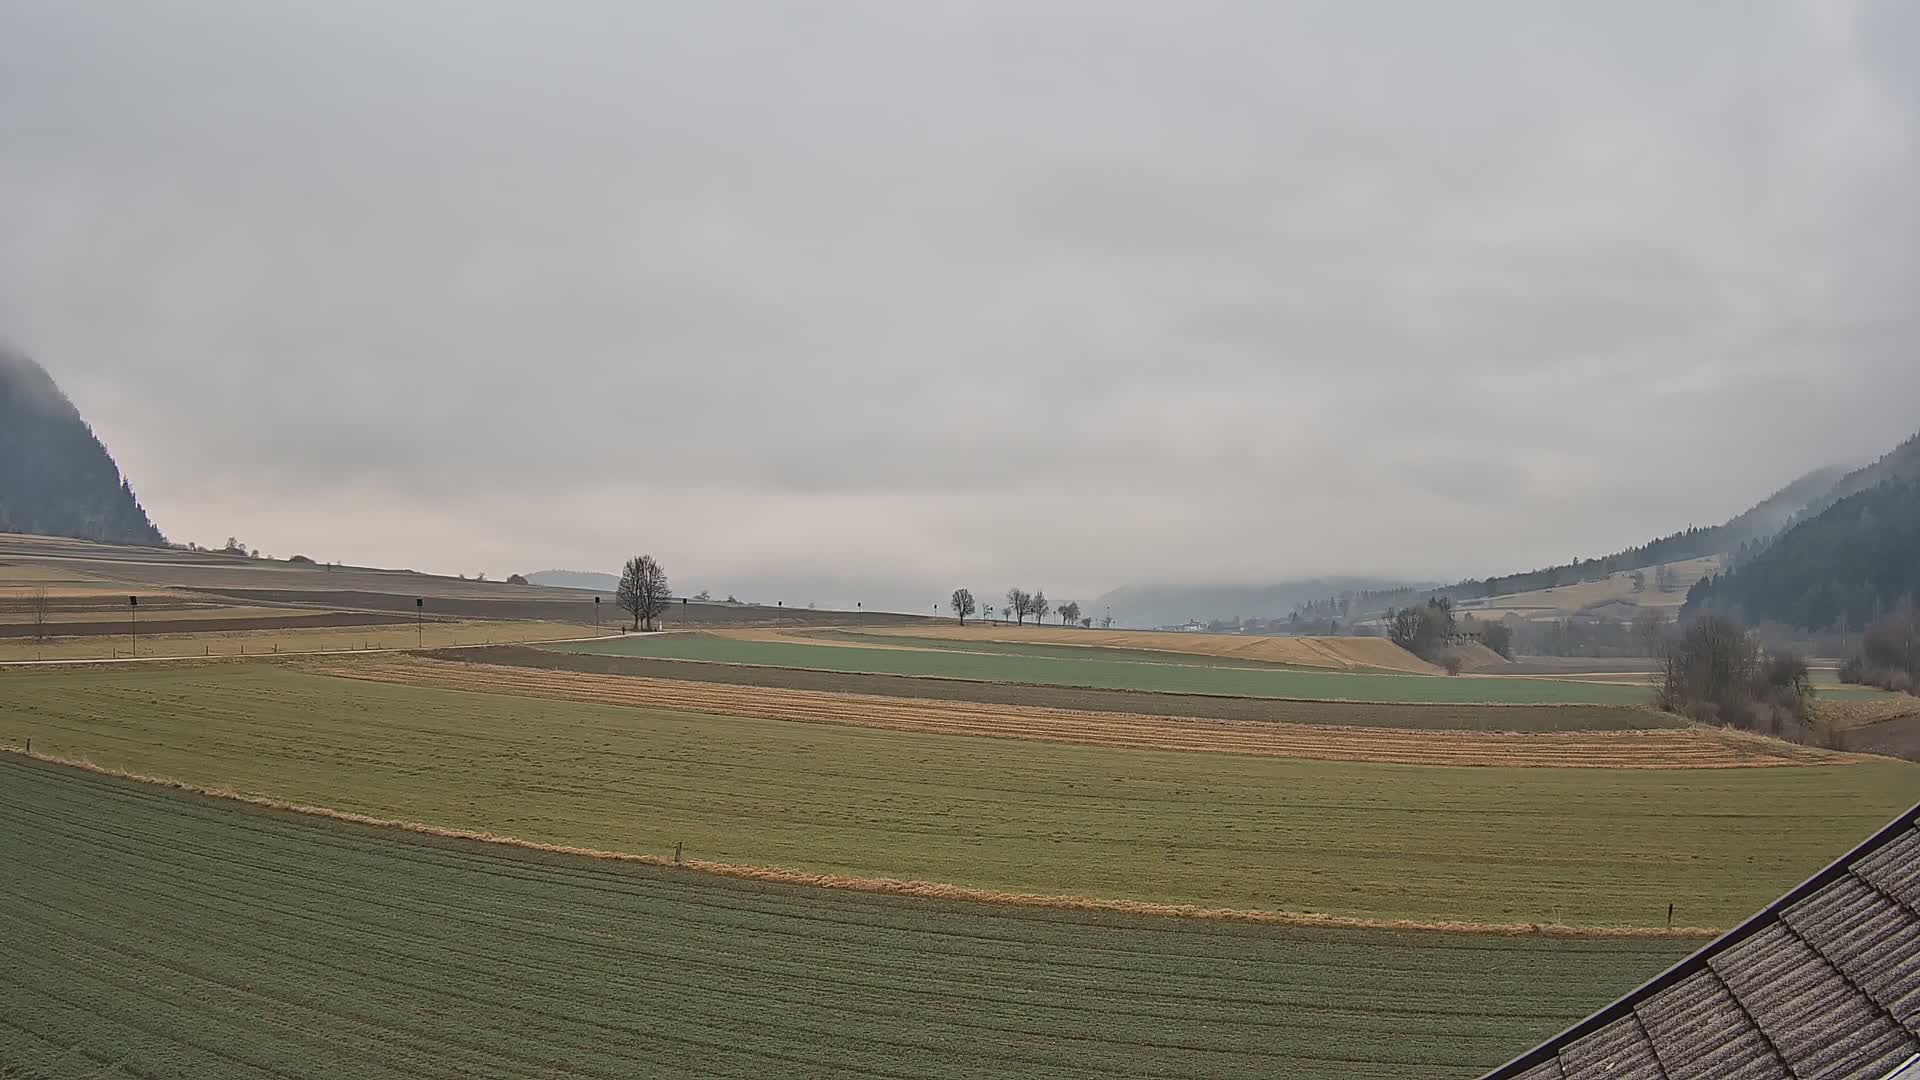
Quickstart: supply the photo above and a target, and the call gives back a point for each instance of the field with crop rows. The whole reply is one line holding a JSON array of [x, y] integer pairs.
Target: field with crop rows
[[1661, 748], [1172, 676], [1437, 717], [205, 938], [183, 639], [1575, 846]]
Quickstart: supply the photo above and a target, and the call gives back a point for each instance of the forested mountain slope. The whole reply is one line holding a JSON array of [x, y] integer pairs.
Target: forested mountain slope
[[56, 478], [1841, 568]]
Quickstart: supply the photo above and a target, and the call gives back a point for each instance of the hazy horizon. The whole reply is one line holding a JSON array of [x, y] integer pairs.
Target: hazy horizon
[[1069, 295]]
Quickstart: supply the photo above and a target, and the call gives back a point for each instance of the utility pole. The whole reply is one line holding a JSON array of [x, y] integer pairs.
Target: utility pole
[[596, 616], [133, 608], [419, 621], [860, 615]]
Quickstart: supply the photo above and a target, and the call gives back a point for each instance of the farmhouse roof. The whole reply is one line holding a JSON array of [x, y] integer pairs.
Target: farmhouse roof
[[1823, 983]]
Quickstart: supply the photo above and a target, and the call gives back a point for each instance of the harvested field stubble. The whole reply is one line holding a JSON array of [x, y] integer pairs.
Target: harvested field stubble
[[204, 938], [1144, 703], [1661, 749], [1583, 847]]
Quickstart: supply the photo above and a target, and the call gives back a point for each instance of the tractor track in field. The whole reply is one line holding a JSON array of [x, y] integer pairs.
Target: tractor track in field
[[1658, 748]]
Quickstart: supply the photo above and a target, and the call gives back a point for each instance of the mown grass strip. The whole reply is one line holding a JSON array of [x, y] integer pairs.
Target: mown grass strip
[[173, 936], [1493, 845], [1112, 674]]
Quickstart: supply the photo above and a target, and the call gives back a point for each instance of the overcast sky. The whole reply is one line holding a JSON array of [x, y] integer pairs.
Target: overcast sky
[[1074, 294]]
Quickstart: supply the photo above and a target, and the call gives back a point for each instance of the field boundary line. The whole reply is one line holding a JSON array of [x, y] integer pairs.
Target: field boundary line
[[927, 890]]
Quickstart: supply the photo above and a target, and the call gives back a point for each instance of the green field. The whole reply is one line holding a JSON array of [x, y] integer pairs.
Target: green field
[[1175, 678], [197, 938], [1341, 713], [1580, 846], [1044, 649]]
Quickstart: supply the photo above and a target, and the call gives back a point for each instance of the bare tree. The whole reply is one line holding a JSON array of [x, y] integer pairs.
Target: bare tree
[[39, 614], [1018, 604], [1038, 606], [643, 591], [963, 604], [1650, 629]]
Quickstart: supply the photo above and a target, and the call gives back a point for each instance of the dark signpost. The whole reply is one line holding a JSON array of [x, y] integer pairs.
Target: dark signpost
[[133, 608], [419, 621]]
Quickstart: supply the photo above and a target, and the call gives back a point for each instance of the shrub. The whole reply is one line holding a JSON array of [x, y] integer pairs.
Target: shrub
[[1854, 671], [1451, 662], [300, 559]]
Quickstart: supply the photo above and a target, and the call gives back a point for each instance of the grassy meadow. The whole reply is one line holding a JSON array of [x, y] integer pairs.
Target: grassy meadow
[[1576, 846], [202, 938], [1176, 674]]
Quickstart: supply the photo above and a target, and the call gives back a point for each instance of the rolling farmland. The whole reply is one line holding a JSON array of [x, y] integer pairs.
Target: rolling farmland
[[1657, 748], [207, 938], [1497, 845], [1332, 653], [1466, 717], [1166, 677]]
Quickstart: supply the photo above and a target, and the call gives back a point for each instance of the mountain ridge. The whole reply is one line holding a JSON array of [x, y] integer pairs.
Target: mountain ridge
[[56, 476]]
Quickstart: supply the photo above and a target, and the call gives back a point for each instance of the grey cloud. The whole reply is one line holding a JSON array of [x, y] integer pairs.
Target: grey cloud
[[1094, 292]]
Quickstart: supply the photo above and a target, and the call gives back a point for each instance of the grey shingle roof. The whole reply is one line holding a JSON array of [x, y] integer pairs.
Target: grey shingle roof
[[1824, 983]]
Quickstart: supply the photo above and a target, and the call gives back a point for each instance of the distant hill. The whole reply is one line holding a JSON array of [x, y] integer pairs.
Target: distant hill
[[56, 478], [1751, 529], [1900, 463], [575, 579], [1169, 605], [1851, 556]]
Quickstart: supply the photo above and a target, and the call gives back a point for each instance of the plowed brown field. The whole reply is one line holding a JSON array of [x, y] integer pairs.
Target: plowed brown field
[[1671, 748]]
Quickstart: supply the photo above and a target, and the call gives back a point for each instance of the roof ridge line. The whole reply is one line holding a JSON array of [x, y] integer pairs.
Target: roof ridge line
[[1623, 1005]]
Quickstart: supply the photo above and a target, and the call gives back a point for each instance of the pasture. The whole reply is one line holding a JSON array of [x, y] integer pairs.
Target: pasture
[[1171, 676], [1563, 600], [1487, 844], [200, 938]]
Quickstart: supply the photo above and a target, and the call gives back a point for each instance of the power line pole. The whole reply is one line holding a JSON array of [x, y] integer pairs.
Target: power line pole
[[133, 608], [419, 622]]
